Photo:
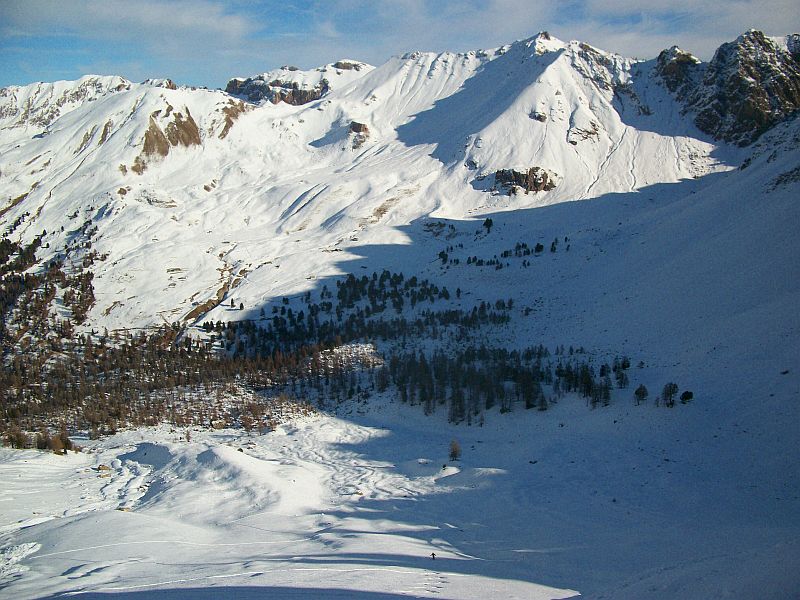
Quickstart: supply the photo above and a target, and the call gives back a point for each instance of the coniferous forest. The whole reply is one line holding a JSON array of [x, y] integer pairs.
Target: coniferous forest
[[374, 334]]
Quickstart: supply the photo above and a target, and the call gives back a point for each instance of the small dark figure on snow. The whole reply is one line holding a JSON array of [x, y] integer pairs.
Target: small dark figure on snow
[[433, 555]]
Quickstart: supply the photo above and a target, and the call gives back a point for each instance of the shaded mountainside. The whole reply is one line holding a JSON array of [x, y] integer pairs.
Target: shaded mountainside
[[750, 85]]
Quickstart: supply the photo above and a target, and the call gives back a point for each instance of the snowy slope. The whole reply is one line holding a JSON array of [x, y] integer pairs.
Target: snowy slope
[[682, 254], [237, 201]]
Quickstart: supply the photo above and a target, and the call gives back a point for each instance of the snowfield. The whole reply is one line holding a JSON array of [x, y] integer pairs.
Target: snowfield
[[307, 511], [613, 503]]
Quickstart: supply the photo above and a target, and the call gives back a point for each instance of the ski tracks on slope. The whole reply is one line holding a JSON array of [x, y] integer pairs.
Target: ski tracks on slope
[[348, 474], [432, 584]]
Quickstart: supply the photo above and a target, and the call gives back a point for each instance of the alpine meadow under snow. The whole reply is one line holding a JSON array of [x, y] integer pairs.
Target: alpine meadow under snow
[[514, 323]]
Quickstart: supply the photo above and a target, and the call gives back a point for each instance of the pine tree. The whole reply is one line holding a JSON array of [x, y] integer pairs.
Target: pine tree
[[455, 450], [668, 393], [640, 394]]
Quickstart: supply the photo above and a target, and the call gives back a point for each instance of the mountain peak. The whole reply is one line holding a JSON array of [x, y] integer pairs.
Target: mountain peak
[[678, 69], [543, 43], [750, 85], [162, 83]]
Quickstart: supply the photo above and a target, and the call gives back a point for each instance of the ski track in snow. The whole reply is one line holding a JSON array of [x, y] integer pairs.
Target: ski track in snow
[[339, 528]]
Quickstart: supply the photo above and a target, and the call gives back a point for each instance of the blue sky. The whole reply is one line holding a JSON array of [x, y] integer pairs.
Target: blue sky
[[206, 42]]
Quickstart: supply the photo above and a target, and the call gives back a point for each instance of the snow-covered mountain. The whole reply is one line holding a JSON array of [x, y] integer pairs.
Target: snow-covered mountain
[[217, 186], [666, 191], [293, 86]]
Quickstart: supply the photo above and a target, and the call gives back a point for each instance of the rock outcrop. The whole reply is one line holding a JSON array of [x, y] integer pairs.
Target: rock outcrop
[[167, 84], [750, 85], [361, 133], [232, 111], [346, 65], [679, 70], [180, 131], [535, 179], [257, 89]]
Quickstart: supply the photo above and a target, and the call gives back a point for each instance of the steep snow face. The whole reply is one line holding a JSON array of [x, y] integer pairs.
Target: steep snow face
[[222, 190], [586, 116]]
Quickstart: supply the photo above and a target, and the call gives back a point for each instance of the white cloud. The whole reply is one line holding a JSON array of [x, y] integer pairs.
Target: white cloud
[[143, 18], [150, 24], [207, 41]]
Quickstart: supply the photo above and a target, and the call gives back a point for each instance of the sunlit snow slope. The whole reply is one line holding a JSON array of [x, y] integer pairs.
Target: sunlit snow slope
[[213, 187]]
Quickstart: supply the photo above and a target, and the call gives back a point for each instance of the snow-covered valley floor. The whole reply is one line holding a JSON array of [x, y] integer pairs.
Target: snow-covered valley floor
[[609, 503]]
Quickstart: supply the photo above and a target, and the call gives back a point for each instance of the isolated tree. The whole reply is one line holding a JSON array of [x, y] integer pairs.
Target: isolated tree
[[622, 379], [488, 223], [640, 394], [455, 450], [247, 423], [686, 397], [668, 393]]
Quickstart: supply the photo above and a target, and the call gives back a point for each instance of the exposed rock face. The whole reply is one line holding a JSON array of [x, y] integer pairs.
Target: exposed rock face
[[753, 84], [538, 116], [535, 179], [183, 130], [155, 142], [257, 89], [357, 127], [679, 70], [750, 85], [180, 131], [345, 65], [232, 112], [361, 132], [236, 86]]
